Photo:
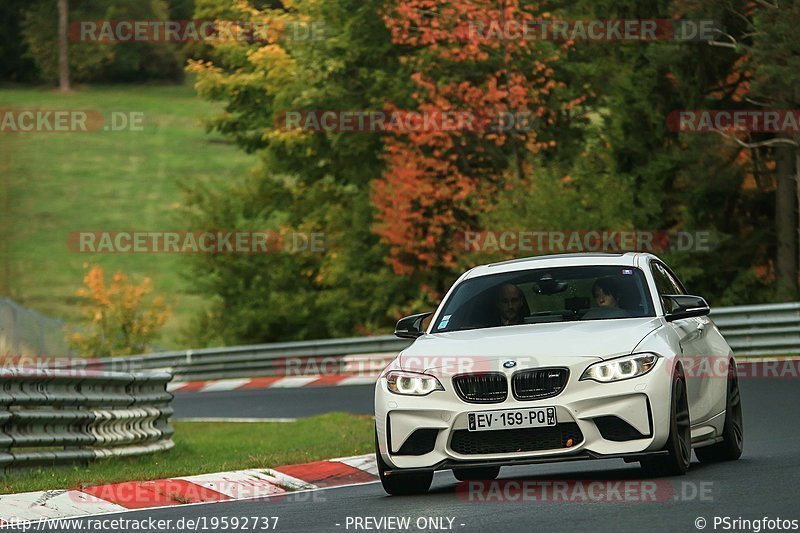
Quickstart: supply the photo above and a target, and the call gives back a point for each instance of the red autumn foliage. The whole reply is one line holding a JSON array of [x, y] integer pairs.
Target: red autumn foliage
[[437, 182]]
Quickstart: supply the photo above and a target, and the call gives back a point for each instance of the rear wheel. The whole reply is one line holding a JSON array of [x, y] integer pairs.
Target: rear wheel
[[679, 442], [401, 484], [732, 444], [476, 473]]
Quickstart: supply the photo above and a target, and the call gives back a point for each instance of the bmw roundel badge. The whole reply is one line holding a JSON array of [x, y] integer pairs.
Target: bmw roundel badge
[[510, 364]]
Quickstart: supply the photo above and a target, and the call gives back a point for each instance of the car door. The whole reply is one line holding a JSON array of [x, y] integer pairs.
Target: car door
[[695, 352], [713, 357]]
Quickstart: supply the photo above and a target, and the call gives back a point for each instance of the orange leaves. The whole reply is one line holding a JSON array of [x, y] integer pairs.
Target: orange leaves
[[120, 322], [466, 58], [462, 30], [737, 82], [95, 286]]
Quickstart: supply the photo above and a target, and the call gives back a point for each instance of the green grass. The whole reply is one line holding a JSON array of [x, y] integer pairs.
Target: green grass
[[52, 184], [202, 448]]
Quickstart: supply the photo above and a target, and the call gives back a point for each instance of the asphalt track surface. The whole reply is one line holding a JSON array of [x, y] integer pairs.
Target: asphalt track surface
[[765, 482], [275, 403]]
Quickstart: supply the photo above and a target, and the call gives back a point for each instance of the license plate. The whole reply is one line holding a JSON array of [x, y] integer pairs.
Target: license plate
[[512, 419]]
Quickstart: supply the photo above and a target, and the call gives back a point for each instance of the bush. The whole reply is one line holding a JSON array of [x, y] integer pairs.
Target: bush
[[121, 322]]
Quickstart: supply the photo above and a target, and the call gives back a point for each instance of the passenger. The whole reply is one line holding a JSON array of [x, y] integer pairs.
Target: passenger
[[510, 303], [605, 293]]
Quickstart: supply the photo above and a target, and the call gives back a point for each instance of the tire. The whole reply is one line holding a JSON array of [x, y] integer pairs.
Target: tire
[[476, 473], [401, 484], [679, 442], [732, 444]]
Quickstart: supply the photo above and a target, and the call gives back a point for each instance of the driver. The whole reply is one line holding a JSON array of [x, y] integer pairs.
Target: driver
[[509, 304]]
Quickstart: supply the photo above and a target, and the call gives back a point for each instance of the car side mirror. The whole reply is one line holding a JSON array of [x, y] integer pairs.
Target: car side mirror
[[410, 327], [678, 306]]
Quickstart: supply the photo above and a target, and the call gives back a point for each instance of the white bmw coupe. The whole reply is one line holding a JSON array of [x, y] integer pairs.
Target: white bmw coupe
[[558, 358]]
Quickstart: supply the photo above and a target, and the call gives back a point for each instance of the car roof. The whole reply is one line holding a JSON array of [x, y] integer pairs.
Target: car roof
[[632, 259]]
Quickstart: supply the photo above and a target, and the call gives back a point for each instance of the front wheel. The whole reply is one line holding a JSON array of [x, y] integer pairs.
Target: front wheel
[[732, 444], [401, 484], [679, 442]]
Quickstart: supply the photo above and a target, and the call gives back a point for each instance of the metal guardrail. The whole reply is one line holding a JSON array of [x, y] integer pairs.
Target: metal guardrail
[[772, 329], [750, 330], [355, 355], [63, 416]]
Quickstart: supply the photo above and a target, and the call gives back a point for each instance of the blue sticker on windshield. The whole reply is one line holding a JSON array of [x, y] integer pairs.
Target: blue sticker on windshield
[[445, 320], [627, 272]]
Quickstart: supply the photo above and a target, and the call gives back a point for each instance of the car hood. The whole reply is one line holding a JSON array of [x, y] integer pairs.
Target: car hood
[[530, 344]]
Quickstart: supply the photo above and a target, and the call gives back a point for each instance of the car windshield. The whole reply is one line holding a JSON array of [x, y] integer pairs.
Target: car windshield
[[546, 295]]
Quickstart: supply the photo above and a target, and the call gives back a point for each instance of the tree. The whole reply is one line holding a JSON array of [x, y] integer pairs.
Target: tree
[[437, 182], [63, 46], [678, 181], [15, 65], [120, 320], [43, 30], [309, 181], [766, 76], [601, 154], [775, 61]]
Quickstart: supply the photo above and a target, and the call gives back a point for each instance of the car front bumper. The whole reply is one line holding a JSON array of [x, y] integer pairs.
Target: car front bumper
[[642, 403]]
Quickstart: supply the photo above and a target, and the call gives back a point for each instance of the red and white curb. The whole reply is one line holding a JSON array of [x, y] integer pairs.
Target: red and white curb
[[186, 490], [340, 380], [270, 383]]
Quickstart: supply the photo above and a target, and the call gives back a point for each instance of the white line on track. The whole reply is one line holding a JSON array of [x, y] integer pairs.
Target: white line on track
[[237, 420]]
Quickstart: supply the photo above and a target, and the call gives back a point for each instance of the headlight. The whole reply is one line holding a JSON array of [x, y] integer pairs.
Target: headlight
[[627, 367], [411, 383]]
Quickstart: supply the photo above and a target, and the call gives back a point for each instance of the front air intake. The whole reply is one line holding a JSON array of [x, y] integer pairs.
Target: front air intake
[[490, 387], [616, 429], [539, 383], [420, 442], [564, 435]]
